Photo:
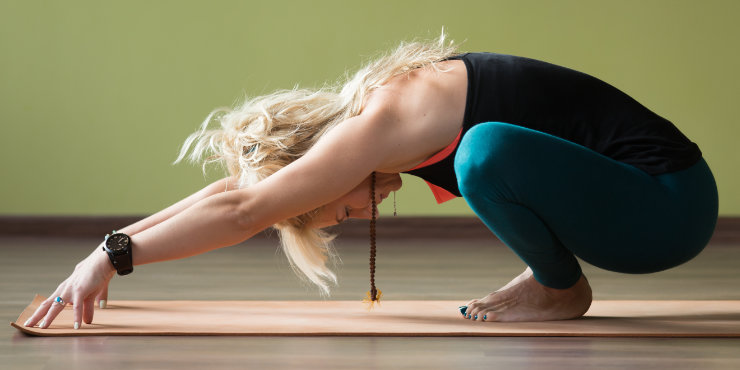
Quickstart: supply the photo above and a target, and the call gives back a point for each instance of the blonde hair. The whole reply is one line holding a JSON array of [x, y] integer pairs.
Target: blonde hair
[[264, 134]]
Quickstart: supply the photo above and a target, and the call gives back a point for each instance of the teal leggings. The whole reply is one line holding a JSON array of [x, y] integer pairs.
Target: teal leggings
[[551, 200]]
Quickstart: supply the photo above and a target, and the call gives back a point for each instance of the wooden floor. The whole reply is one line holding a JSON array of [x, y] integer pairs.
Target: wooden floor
[[407, 269]]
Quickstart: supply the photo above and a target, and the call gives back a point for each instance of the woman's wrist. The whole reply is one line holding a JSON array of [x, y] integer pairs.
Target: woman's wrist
[[101, 260]]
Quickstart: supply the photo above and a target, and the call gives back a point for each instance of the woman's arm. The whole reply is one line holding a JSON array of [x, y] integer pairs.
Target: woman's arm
[[399, 129], [228, 218], [89, 281], [223, 185], [398, 125], [334, 166]]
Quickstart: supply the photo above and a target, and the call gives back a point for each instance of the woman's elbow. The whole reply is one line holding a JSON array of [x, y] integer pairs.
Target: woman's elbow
[[244, 214]]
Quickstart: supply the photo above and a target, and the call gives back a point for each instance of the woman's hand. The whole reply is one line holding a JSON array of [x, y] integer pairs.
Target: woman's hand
[[88, 282]]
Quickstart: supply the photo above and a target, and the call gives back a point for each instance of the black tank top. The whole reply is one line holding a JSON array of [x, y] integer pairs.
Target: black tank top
[[567, 104]]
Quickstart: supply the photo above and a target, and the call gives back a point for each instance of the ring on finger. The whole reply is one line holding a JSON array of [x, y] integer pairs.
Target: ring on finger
[[59, 301]]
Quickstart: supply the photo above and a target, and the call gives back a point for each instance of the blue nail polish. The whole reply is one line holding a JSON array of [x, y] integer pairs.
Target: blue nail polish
[[476, 317], [468, 315], [485, 317], [463, 309]]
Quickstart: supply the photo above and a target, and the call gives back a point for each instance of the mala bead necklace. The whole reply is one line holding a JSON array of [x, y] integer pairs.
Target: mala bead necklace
[[374, 295]]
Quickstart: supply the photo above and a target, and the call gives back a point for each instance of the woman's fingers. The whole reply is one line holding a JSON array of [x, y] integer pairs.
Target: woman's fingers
[[88, 282], [88, 309], [45, 306], [39, 313], [50, 308], [102, 299], [83, 310], [54, 310], [77, 312]]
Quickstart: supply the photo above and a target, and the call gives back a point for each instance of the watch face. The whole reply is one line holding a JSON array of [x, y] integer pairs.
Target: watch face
[[118, 242]]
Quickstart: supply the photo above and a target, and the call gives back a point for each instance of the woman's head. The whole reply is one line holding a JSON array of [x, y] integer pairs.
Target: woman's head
[[264, 134], [357, 203]]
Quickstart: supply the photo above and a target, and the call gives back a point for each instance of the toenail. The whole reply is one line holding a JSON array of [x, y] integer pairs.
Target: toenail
[[485, 317], [463, 309], [476, 317]]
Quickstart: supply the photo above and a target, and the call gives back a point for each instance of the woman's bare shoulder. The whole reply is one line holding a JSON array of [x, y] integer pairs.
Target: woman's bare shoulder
[[425, 109]]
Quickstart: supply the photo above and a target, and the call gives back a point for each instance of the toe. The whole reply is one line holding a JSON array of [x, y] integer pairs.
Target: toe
[[490, 316], [463, 310], [472, 312]]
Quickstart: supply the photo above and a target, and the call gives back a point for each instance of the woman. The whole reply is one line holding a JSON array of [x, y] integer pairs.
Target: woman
[[557, 163]]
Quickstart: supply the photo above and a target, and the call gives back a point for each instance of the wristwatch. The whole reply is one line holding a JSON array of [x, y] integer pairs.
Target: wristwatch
[[118, 247]]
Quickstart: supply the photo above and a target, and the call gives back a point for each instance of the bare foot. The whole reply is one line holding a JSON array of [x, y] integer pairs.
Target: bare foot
[[524, 299]]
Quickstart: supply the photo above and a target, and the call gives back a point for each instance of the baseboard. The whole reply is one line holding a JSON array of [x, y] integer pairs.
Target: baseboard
[[727, 230]]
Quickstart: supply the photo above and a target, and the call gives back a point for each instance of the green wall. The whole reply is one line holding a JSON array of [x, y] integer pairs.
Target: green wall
[[96, 97]]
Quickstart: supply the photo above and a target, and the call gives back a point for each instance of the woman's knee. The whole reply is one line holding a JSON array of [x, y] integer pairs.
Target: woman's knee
[[486, 154]]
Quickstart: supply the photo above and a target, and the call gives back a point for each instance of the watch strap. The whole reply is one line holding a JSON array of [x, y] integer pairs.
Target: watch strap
[[123, 263]]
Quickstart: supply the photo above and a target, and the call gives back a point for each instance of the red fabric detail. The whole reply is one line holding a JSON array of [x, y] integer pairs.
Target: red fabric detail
[[442, 154], [440, 195]]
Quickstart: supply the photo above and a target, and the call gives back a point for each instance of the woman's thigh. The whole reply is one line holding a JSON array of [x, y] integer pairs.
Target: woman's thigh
[[607, 213]]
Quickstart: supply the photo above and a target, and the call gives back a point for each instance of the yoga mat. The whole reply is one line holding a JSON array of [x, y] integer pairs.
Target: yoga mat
[[392, 318]]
